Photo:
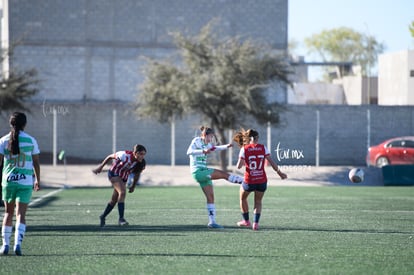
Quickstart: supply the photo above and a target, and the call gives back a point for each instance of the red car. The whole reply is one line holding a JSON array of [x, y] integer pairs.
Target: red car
[[399, 150]]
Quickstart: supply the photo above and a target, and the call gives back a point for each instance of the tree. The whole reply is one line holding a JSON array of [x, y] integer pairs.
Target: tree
[[224, 81], [16, 86], [411, 28], [346, 45]]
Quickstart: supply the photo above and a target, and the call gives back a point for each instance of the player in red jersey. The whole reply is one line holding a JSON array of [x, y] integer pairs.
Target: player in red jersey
[[124, 163], [253, 155]]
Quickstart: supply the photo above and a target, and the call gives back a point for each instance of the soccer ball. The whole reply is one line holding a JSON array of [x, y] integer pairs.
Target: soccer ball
[[356, 175], [130, 180]]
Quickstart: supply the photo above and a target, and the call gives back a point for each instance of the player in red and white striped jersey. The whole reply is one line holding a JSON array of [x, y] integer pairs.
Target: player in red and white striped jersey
[[124, 163]]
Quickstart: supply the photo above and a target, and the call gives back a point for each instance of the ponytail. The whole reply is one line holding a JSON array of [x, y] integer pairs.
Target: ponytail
[[17, 123], [244, 137], [238, 138]]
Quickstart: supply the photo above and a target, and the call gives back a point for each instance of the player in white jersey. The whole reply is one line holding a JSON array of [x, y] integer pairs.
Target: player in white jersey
[[19, 154], [198, 150]]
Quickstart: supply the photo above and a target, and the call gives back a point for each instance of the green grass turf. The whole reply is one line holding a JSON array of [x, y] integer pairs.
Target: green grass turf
[[304, 230]]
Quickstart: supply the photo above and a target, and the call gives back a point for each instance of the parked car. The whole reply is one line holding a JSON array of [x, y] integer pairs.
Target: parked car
[[399, 150]]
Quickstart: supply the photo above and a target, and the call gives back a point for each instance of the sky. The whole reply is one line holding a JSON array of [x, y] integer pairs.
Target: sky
[[386, 20]]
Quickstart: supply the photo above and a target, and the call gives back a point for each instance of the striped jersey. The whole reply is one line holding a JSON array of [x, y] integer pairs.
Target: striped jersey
[[254, 158], [125, 163], [19, 168]]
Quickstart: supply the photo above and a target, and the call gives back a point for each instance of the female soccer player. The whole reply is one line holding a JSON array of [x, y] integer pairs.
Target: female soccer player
[[19, 155], [253, 155], [198, 150], [124, 163]]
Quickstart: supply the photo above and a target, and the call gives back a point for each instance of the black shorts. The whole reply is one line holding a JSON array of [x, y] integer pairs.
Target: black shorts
[[261, 187]]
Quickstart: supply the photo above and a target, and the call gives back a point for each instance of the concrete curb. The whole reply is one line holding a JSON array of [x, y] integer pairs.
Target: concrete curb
[[164, 175]]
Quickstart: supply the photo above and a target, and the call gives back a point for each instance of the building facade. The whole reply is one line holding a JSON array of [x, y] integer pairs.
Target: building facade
[[91, 50], [396, 78], [89, 57]]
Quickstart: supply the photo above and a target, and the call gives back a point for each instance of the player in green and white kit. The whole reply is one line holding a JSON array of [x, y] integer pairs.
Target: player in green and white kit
[[19, 154], [198, 150]]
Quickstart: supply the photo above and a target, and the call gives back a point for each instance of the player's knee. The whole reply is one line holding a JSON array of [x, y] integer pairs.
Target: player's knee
[[122, 195]]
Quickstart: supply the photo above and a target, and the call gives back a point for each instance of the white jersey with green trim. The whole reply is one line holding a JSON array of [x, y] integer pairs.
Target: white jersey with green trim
[[195, 151], [19, 168]]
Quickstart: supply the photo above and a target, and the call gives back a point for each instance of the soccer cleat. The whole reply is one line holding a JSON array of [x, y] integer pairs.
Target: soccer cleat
[[255, 226], [102, 221], [122, 222], [4, 250], [243, 223], [214, 226], [17, 250]]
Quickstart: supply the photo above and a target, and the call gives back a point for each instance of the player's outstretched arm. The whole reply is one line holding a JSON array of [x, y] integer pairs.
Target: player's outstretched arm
[[221, 147], [98, 169]]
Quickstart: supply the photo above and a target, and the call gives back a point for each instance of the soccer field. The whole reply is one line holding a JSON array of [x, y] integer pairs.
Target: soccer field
[[304, 230]]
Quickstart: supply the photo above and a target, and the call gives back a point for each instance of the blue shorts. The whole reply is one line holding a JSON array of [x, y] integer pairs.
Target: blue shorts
[[261, 187], [111, 174]]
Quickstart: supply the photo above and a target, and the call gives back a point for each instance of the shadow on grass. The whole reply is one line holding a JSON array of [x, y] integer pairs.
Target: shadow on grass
[[367, 231], [177, 229], [116, 229], [117, 254]]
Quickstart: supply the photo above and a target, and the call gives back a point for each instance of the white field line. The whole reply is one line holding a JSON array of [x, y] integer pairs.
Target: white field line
[[45, 196]]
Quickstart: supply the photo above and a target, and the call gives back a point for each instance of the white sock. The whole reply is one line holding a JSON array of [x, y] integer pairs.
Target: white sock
[[20, 230], [235, 179], [6, 232], [211, 209]]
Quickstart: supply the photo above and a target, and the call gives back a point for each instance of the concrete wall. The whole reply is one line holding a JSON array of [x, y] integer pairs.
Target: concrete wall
[[358, 89], [88, 54], [91, 50], [85, 131]]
